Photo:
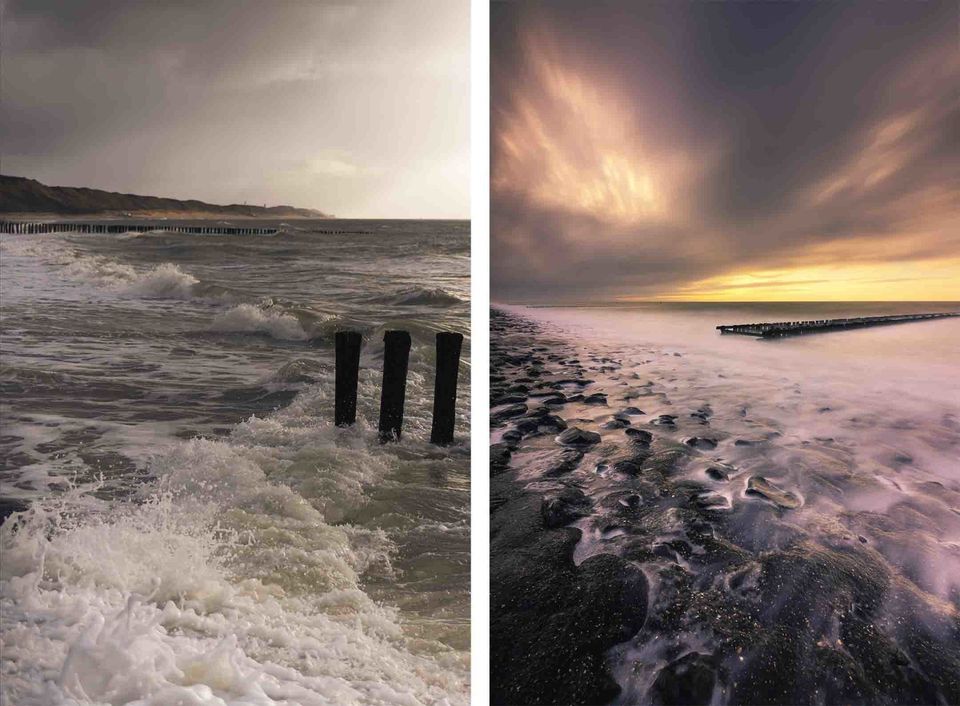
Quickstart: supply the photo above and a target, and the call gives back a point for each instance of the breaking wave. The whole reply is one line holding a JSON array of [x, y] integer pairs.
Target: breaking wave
[[420, 296], [220, 586], [165, 281], [247, 318]]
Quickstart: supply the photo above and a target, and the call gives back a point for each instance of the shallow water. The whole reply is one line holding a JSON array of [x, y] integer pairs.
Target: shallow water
[[798, 520], [197, 528]]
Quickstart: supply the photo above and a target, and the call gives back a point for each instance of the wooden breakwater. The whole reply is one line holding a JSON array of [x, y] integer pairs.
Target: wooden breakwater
[[327, 231], [780, 329], [56, 227], [396, 356]]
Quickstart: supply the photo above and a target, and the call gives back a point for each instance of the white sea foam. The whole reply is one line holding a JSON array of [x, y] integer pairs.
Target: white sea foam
[[221, 587], [165, 281], [247, 318], [860, 425]]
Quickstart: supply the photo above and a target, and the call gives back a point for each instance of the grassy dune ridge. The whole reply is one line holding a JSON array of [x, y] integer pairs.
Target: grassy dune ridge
[[21, 195]]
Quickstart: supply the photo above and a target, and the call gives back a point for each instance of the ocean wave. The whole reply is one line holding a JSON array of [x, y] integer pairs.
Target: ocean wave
[[247, 318], [166, 281], [420, 296], [219, 587], [258, 568]]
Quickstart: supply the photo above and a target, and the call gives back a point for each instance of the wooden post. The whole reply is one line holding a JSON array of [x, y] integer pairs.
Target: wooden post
[[396, 356], [445, 387], [348, 368]]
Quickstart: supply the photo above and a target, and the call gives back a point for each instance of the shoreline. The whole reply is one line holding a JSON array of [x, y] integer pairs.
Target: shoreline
[[551, 620], [732, 581]]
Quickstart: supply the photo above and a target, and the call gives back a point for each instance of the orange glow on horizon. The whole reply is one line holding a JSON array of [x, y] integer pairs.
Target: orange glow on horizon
[[934, 280]]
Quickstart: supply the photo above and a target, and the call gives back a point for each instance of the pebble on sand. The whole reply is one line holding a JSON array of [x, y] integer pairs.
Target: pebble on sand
[[758, 485], [575, 436], [639, 435], [701, 442]]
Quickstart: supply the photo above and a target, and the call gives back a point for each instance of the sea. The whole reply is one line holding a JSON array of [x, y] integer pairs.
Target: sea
[[798, 515], [183, 522]]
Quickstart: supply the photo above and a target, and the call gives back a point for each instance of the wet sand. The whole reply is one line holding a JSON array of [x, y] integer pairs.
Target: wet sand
[[648, 549]]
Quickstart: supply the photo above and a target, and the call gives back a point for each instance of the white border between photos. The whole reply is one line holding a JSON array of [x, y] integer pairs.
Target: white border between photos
[[480, 351]]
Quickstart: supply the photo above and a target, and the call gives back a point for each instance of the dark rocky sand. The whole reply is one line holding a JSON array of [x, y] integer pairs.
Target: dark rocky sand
[[625, 569]]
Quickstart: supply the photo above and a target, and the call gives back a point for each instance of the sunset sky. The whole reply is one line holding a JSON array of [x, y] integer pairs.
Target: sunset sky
[[356, 108], [725, 151]]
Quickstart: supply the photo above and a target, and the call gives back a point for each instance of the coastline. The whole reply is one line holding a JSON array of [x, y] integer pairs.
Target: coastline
[[551, 620], [730, 582]]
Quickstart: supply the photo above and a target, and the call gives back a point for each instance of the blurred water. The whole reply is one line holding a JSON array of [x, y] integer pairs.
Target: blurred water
[[850, 589]]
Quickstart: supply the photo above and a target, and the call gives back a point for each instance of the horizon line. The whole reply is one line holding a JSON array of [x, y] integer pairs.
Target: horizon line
[[715, 301]]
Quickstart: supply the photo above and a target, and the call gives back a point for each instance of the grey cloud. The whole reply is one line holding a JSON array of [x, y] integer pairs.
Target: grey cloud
[[789, 95], [216, 100]]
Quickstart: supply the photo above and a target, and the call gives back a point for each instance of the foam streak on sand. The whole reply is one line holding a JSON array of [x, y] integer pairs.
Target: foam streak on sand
[[797, 528]]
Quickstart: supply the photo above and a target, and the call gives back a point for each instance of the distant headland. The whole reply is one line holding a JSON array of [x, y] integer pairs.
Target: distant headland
[[22, 195]]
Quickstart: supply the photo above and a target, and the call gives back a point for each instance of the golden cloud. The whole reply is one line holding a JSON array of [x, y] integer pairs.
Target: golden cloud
[[568, 142]]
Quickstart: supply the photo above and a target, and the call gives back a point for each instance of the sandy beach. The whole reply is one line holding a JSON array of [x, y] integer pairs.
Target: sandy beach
[[669, 529]]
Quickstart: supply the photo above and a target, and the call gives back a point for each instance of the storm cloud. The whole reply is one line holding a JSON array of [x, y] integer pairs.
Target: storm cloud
[[355, 108], [748, 150]]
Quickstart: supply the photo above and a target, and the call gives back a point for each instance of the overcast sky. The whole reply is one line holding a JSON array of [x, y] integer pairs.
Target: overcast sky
[[360, 109], [738, 150]]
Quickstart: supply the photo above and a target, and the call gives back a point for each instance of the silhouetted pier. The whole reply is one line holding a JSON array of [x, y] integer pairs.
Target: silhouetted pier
[[41, 227], [798, 328]]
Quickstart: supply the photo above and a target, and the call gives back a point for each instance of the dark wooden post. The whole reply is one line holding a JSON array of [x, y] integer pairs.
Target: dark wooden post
[[396, 356], [445, 387], [348, 368]]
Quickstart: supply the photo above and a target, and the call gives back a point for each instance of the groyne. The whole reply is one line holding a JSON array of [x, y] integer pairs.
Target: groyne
[[780, 329], [60, 227]]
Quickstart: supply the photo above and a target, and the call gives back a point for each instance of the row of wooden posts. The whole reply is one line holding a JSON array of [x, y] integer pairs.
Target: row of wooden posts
[[326, 231], [37, 228], [396, 356], [792, 328]]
